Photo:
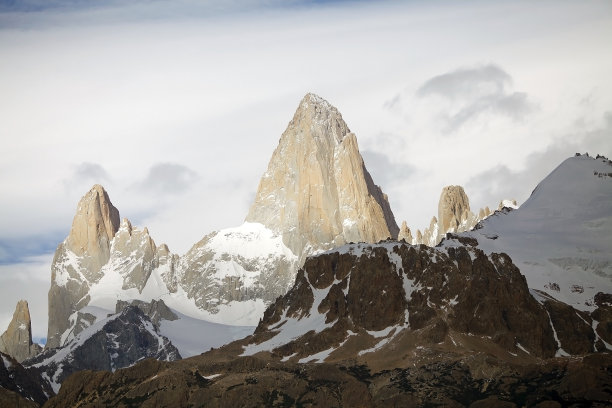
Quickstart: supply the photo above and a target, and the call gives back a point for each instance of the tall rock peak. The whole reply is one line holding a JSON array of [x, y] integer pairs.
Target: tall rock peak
[[94, 226], [316, 192], [78, 261], [453, 208], [16, 341]]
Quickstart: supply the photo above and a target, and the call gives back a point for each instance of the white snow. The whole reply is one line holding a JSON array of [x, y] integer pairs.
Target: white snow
[[290, 328], [212, 376], [76, 342], [381, 333], [250, 240], [381, 343], [7, 362], [561, 234], [560, 352], [396, 260], [509, 204], [67, 259], [194, 336], [318, 357], [522, 348], [287, 358]]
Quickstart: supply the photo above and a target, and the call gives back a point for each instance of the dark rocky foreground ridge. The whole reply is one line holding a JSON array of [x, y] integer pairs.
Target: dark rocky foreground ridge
[[254, 382], [19, 386], [391, 325]]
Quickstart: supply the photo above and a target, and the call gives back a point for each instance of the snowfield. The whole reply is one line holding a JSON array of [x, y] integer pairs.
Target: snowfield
[[561, 237]]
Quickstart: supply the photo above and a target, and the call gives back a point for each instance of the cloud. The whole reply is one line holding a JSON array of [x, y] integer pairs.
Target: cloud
[[90, 172], [16, 249], [85, 175], [467, 83], [168, 178], [384, 171], [500, 182], [466, 94], [60, 13], [476, 91]]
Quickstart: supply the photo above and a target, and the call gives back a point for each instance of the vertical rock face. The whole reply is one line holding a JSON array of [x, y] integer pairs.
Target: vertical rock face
[[93, 228], [79, 259], [116, 342], [405, 233], [136, 252], [16, 341], [454, 209], [316, 191]]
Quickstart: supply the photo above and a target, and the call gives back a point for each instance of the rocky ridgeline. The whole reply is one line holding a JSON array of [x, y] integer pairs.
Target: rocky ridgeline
[[252, 382], [365, 294], [388, 325], [315, 195], [118, 341], [454, 216], [316, 191], [97, 243], [19, 386]]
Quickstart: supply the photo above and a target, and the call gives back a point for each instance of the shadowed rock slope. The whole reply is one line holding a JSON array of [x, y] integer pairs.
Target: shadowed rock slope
[[116, 342], [19, 386]]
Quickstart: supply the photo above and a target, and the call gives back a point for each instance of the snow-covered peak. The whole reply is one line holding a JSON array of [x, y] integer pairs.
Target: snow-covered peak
[[560, 238], [249, 240]]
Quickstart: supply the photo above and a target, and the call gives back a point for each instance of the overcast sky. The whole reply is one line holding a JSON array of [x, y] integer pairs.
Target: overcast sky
[[176, 107]]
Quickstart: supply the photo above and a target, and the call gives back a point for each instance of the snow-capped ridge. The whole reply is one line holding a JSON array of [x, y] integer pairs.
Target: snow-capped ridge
[[560, 236]]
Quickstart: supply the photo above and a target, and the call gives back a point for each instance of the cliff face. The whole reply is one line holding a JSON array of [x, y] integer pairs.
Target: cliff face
[[79, 259], [316, 192], [348, 301]]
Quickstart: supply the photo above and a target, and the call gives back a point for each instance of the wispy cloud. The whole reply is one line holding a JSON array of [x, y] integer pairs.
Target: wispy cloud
[[502, 182], [386, 172], [168, 178], [471, 92]]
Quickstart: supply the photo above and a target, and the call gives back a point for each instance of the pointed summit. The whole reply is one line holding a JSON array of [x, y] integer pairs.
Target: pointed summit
[[325, 120], [79, 259], [453, 208], [16, 341], [317, 192], [93, 227]]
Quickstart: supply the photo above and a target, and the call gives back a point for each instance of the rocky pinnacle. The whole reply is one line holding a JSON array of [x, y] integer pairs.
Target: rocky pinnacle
[[316, 191], [16, 341]]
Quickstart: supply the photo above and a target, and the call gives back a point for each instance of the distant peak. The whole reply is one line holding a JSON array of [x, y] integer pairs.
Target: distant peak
[[95, 223], [316, 190]]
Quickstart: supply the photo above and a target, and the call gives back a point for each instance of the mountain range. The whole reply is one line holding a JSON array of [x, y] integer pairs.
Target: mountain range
[[319, 298]]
